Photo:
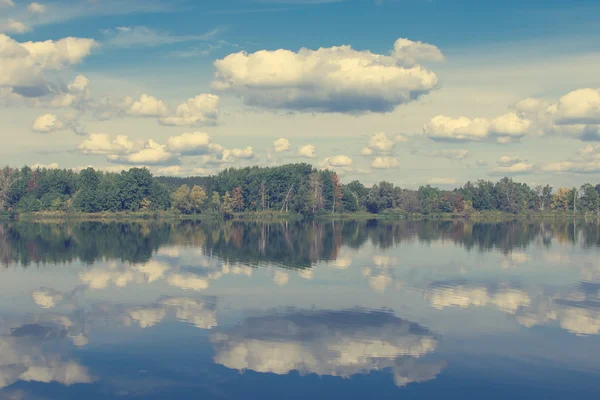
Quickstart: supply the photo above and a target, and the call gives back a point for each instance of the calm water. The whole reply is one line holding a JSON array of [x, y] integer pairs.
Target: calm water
[[349, 310]]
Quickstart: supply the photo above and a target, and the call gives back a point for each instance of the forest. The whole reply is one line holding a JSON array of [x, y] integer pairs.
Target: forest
[[292, 188]]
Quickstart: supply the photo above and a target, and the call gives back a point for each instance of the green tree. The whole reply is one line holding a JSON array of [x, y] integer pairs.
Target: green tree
[[215, 202], [590, 199]]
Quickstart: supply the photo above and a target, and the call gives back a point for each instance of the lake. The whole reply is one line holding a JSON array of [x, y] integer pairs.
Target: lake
[[297, 310]]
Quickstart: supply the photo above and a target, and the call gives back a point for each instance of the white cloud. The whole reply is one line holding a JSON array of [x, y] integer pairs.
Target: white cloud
[[502, 129], [385, 163], [196, 143], [380, 144], [307, 151], [152, 154], [200, 110], [13, 26], [337, 79], [148, 106], [583, 167], [517, 168], [141, 36], [36, 8], [366, 152], [507, 161], [576, 114], [338, 161], [410, 53], [7, 3], [281, 144], [24, 65], [101, 144], [579, 107], [45, 166], [450, 154], [47, 123]]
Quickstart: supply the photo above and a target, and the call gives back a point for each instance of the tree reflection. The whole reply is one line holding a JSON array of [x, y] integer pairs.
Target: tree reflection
[[288, 244]]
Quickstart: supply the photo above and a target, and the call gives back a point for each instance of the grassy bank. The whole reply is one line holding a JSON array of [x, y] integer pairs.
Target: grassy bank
[[483, 216]]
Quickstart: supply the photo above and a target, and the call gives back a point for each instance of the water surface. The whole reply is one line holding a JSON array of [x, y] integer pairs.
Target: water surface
[[318, 310]]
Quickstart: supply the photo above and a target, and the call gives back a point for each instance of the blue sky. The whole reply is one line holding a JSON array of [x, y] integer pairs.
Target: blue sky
[[447, 107]]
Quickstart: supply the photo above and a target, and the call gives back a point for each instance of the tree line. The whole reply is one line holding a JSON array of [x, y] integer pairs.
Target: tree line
[[297, 188]]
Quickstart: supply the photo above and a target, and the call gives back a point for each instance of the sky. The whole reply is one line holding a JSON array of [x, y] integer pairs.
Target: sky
[[413, 92]]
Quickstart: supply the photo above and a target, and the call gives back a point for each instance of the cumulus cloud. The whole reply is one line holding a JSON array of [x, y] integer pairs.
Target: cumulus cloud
[[410, 53], [582, 167], [576, 114], [337, 79], [512, 168], [36, 8], [200, 110], [502, 129], [13, 26], [45, 166], [379, 144], [103, 144], [333, 343], [579, 107], [151, 154], [24, 66], [147, 106], [385, 163], [281, 144], [196, 143], [7, 3], [587, 162], [339, 163], [307, 151], [47, 123]]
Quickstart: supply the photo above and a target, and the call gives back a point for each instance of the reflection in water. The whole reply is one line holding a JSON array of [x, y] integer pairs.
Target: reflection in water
[[335, 343], [458, 278], [24, 354], [576, 309], [289, 244]]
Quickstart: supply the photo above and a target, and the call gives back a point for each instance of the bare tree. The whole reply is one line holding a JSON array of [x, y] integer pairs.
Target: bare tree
[[8, 177]]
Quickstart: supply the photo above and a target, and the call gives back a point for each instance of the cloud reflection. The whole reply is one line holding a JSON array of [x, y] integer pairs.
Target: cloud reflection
[[25, 356], [334, 343]]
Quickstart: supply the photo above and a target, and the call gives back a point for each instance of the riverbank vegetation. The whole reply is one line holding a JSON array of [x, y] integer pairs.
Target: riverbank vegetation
[[270, 192]]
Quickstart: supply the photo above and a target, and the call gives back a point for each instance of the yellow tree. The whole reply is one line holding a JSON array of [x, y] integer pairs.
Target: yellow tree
[[180, 199], [227, 205], [197, 198]]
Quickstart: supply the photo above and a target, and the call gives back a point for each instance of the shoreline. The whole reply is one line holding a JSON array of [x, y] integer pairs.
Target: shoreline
[[491, 216]]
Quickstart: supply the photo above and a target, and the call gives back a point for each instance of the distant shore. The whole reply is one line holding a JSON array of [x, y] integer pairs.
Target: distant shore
[[485, 216]]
